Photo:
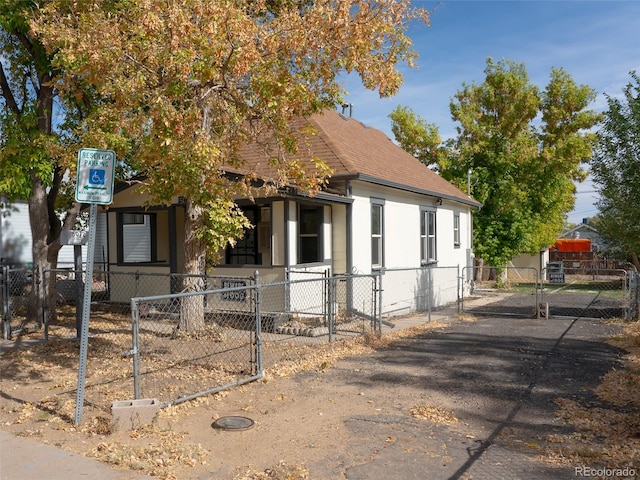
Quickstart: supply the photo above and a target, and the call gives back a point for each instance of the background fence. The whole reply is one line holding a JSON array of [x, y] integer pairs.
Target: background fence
[[591, 292]]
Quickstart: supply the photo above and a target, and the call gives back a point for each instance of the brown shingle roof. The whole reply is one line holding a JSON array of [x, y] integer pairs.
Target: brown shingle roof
[[355, 150]]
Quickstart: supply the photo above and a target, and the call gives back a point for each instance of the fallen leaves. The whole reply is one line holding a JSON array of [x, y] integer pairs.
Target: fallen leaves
[[433, 414], [282, 472], [607, 435], [157, 458]]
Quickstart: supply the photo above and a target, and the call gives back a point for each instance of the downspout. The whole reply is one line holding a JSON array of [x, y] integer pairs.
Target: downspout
[[349, 231], [287, 256]]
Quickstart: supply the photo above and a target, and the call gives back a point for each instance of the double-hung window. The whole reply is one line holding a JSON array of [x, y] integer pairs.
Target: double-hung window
[[428, 252], [456, 230], [310, 233], [137, 237], [377, 233]]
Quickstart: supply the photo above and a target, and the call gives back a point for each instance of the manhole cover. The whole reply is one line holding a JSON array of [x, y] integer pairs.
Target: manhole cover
[[233, 423]]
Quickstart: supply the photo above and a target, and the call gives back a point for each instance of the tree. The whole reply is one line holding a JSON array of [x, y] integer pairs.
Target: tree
[[615, 168], [190, 80], [33, 158], [521, 169], [418, 137]]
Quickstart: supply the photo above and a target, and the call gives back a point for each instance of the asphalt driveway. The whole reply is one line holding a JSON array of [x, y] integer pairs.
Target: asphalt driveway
[[499, 376]]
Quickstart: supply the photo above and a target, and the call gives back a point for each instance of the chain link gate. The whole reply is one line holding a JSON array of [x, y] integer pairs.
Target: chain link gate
[[589, 293], [191, 344], [571, 292], [509, 291]]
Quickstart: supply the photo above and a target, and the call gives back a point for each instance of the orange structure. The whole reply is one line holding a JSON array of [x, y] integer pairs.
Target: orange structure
[[572, 245]]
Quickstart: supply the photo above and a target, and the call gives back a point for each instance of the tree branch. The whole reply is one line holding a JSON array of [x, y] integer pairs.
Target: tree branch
[[7, 94]]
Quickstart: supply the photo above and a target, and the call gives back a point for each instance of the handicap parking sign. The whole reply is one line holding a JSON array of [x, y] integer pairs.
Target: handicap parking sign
[[96, 177]]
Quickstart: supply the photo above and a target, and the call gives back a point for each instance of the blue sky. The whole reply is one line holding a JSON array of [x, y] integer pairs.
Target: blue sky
[[596, 42]]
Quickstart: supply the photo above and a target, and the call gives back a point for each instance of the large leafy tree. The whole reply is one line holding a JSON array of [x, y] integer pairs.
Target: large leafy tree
[[615, 168], [189, 81], [518, 150], [33, 158], [418, 137]]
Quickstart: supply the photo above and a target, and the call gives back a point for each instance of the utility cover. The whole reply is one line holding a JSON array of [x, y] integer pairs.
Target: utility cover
[[233, 423]]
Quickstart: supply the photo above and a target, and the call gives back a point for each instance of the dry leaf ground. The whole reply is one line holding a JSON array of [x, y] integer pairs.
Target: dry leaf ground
[[397, 391]]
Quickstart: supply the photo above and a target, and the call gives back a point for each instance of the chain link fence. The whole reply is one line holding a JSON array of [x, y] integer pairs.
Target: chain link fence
[[299, 315], [191, 344], [109, 360], [16, 285], [408, 290], [111, 294], [589, 292]]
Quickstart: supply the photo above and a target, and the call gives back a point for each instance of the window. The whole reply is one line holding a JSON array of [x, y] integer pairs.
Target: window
[[456, 230], [427, 236], [137, 237], [377, 233], [256, 242], [310, 220]]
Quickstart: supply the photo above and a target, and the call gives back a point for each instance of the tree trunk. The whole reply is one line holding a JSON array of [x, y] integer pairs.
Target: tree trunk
[[39, 220], [479, 268], [192, 307]]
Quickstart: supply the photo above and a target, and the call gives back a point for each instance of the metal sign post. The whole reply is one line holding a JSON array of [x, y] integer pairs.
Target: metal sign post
[[95, 186]]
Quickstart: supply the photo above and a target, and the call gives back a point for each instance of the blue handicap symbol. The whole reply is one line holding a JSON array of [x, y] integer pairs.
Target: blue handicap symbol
[[96, 176]]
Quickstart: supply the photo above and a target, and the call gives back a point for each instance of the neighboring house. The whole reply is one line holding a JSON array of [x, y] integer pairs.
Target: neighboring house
[[576, 248], [586, 232], [382, 209], [16, 241]]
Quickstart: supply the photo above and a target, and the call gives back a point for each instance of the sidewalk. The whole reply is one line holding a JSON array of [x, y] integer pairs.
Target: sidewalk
[[24, 459]]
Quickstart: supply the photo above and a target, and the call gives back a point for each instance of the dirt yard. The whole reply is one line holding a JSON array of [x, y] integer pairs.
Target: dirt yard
[[395, 407]]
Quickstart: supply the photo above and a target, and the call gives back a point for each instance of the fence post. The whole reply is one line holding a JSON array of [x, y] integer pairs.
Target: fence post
[[259, 368], [331, 297], [429, 293], [287, 290], [6, 325], [135, 350], [379, 319]]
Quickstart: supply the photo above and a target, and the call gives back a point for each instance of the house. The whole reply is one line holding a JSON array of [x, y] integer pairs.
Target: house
[[381, 210], [584, 231], [16, 239]]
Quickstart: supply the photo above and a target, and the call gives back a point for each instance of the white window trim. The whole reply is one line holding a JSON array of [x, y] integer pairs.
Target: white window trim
[[378, 203]]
